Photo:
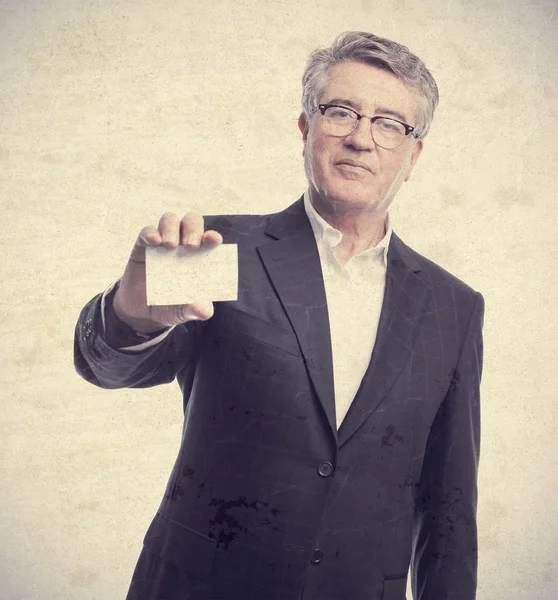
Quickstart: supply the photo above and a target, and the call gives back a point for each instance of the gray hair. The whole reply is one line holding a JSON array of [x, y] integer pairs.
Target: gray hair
[[359, 46]]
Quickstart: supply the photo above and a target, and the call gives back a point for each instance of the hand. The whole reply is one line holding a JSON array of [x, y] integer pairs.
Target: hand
[[130, 300]]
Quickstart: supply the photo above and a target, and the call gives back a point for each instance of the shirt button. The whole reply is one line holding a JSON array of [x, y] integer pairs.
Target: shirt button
[[317, 557], [325, 469]]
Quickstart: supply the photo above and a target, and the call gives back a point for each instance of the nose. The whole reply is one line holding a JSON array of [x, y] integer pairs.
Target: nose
[[361, 136]]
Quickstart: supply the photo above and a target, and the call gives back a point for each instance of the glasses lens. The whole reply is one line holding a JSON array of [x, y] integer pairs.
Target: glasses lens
[[388, 133], [339, 121]]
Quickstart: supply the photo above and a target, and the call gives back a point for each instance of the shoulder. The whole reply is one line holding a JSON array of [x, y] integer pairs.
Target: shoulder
[[236, 227], [446, 287]]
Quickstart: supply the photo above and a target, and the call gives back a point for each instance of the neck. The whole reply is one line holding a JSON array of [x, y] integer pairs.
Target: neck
[[362, 228]]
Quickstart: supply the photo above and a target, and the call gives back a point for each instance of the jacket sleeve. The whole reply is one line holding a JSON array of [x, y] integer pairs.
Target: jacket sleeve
[[445, 553], [107, 367]]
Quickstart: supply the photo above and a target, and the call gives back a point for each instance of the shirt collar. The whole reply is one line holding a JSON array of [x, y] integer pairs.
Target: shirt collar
[[324, 232]]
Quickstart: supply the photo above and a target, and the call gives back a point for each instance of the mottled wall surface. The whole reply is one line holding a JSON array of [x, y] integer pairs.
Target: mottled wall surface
[[113, 112]]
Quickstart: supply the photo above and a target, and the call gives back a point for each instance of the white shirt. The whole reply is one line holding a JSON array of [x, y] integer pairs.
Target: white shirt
[[354, 294]]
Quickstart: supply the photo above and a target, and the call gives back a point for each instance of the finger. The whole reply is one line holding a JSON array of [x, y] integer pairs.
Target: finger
[[149, 236], [174, 315], [191, 230], [212, 239], [169, 228], [201, 310]]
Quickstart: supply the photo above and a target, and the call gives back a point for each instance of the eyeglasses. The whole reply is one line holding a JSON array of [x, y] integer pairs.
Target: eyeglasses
[[341, 121]]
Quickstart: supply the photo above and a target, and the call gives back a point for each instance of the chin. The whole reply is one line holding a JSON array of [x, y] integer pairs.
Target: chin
[[350, 196]]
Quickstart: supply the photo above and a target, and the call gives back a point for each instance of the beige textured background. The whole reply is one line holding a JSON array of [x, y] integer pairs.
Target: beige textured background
[[113, 112]]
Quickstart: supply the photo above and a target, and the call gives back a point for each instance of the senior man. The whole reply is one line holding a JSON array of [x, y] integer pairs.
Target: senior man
[[331, 432]]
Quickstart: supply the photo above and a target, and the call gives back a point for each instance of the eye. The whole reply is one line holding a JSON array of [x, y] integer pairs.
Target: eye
[[389, 126], [340, 114]]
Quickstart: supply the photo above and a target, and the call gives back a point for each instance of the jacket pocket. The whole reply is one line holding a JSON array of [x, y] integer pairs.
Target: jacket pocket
[[256, 328], [395, 588], [190, 551]]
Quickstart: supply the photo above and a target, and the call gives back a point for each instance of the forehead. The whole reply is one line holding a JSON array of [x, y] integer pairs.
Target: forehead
[[371, 90]]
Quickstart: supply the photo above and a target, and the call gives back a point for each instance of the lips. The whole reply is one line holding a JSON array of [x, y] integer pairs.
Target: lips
[[355, 163]]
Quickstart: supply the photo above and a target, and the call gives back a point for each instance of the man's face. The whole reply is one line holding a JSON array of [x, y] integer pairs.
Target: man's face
[[337, 187]]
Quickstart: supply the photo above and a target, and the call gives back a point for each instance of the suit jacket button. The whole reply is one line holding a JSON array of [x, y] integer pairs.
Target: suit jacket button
[[325, 469], [317, 557], [87, 330]]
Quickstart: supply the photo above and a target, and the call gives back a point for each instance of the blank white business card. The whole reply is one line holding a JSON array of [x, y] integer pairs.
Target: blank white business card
[[184, 275]]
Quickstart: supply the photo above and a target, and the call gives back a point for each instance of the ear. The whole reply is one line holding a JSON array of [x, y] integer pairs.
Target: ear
[[414, 157], [303, 126]]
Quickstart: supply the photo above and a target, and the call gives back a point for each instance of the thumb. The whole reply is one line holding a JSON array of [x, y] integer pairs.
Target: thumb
[[202, 310]]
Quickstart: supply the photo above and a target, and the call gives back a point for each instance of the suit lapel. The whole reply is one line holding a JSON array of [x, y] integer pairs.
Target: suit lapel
[[293, 265], [405, 299]]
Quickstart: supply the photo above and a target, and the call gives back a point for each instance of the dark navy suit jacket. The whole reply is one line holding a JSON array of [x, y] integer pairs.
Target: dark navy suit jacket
[[267, 499]]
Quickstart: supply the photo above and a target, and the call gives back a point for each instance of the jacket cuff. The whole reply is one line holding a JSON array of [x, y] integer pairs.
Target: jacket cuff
[[120, 335]]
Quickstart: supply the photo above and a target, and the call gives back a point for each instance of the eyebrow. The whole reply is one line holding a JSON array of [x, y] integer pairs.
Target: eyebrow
[[379, 109]]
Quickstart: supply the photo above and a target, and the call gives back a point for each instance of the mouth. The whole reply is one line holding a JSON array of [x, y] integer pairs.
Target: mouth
[[355, 165]]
